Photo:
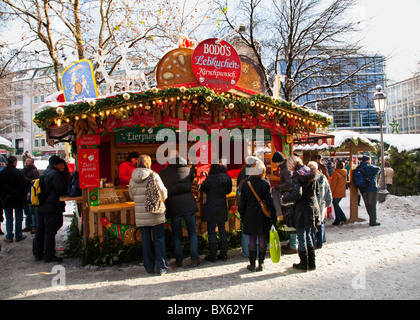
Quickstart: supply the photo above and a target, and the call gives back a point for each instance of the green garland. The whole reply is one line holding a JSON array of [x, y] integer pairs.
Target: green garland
[[279, 108]]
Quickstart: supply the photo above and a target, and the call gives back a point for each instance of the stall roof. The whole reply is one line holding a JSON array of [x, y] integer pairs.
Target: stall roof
[[341, 138], [127, 103], [5, 142], [403, 142]]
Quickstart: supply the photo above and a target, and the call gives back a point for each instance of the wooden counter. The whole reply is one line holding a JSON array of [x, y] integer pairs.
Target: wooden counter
[[123, 213], [112, 207], [77, 199]]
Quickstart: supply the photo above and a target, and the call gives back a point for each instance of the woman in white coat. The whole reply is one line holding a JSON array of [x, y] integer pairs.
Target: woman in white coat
[[149, 222]]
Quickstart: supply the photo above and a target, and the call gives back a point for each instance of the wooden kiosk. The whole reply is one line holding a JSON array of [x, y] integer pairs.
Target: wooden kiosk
[[347, 144], [110, 127]]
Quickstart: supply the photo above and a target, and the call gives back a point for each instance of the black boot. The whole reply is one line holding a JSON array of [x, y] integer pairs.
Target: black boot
[[311, 258], [212, 254], [223, 251], [303, 264], [252, 257], [261, 258]]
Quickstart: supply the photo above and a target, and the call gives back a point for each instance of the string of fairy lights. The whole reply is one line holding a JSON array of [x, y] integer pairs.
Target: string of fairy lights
[[125, 104]]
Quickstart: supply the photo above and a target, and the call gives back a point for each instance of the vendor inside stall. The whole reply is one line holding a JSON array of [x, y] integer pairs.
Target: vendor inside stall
[[126, 168]]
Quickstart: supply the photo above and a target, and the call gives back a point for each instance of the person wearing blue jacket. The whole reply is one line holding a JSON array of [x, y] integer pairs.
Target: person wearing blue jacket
[[369, 194]]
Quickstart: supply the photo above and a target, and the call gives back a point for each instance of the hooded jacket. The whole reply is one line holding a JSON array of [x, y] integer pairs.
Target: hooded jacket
[[178, 179], [338, 183], [137, 190], [306, 212], [371, 173]]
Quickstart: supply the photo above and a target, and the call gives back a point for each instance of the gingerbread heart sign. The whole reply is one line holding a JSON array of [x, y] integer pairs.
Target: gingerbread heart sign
[[216, 65]]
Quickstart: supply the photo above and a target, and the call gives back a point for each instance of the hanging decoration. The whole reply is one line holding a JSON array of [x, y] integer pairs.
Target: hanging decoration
[[130, 234]]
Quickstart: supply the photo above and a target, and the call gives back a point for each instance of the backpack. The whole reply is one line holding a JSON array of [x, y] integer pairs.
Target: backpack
[[360, 179], [73, 189], [153, 198], [36, 194]]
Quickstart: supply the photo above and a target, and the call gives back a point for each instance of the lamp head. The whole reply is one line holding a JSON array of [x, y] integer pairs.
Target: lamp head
[[379, 100]]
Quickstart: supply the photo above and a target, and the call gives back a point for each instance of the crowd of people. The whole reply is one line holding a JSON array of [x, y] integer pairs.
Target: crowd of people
[[306, 191], [44, 220]]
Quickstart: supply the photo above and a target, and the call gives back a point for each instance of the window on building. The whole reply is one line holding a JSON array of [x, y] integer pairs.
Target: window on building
[[35, 99], [19, 100], [42, 142], [36, 143]]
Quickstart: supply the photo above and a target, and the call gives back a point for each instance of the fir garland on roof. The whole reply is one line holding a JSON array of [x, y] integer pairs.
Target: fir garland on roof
[[277, 108]]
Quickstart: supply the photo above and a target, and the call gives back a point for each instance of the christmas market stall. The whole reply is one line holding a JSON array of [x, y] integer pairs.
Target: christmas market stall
[[200, 92]]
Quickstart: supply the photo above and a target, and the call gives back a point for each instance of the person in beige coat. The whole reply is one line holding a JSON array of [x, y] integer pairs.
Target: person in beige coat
[[149, 222], [338, 190], [389, 175]]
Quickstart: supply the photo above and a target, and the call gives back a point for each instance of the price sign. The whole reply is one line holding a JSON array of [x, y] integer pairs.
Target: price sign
[[88, 160]]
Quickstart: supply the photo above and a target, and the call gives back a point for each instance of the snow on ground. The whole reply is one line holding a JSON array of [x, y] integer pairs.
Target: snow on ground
[[357, 262]]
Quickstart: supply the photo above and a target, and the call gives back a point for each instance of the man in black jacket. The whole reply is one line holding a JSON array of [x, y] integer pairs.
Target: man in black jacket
[[50, 213], [177, 178], [30, 172], [12, 193]]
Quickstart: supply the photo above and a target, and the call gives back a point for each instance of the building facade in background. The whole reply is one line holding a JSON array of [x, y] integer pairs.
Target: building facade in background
[[26, 92], [404, 106], [350, 103]]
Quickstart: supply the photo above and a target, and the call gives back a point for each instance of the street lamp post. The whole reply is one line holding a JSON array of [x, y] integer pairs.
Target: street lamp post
[[379, 100]]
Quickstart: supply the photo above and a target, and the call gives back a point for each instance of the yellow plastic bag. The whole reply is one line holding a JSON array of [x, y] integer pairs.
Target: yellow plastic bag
[[275, 246]]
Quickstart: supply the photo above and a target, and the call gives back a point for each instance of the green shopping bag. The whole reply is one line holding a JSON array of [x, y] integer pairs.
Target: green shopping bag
[[275, 246]]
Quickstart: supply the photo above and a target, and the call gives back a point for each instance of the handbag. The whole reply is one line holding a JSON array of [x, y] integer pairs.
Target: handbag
[[262, 203], [275, 247], [153, 197]]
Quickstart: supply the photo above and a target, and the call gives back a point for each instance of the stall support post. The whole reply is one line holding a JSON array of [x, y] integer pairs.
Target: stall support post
[[354, 214]]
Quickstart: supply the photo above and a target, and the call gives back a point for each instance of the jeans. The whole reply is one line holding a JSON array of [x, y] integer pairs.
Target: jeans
[[304, 238], [339, 214], [211, 228], [370, 199], [318, 238], [158, 242], [31, 216], [177, 236], [293, 241], [18, 223]]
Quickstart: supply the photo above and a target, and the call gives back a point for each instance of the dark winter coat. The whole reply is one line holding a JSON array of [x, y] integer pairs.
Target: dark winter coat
[[254, 220], [30, 173], [55, 187], [306, 212], [12, 188], [178, 179], [217, 185], [286, 183], [371, 173]]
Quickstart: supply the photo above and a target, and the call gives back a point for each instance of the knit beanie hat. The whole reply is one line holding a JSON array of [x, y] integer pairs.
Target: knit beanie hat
[[278, 157], [54, 160]]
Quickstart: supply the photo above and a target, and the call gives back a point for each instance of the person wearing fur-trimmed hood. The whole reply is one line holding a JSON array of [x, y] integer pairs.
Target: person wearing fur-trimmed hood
[[305, 210]]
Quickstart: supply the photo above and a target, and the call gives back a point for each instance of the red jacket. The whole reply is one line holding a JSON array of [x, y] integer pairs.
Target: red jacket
[[124, 173]]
